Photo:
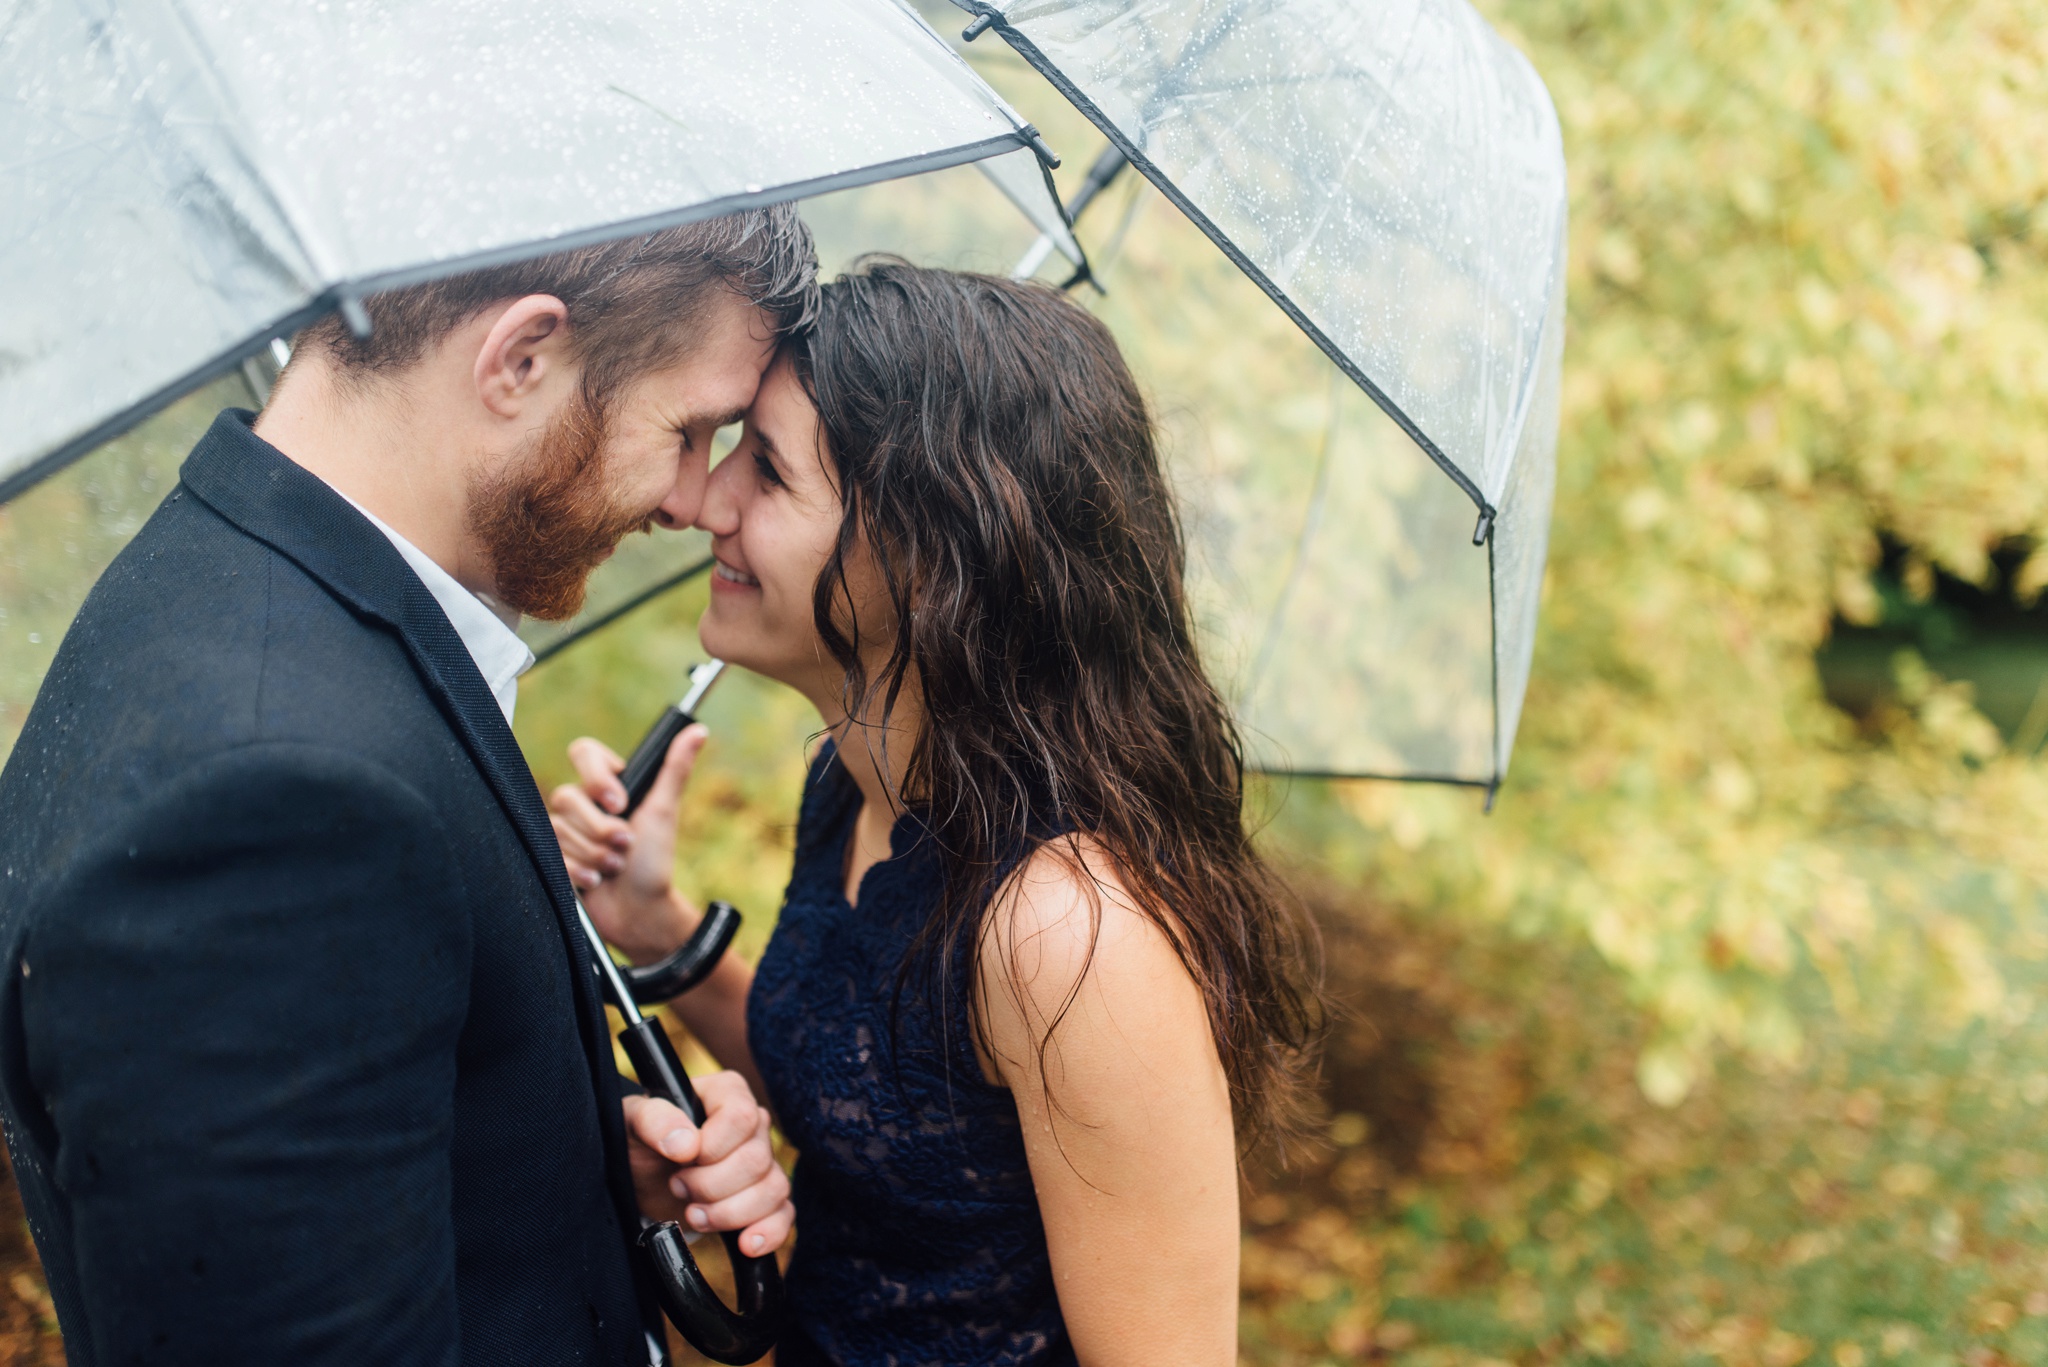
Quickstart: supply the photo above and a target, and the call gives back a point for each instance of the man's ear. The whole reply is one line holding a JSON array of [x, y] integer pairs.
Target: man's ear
[[520, 353]]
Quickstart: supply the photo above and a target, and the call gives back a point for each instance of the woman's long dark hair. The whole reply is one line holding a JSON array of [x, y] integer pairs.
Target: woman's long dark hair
[[999, 468]]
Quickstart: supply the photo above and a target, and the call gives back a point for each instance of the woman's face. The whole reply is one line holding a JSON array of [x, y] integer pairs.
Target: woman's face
[[773, 510]]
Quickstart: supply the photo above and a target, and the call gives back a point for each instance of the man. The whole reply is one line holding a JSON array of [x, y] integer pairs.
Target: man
[[301, 1056]]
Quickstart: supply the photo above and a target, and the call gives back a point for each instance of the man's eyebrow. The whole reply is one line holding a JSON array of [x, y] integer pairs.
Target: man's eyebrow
[[727, 418]]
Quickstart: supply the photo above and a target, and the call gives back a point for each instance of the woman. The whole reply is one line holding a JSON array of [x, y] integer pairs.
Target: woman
[[1031, 989]]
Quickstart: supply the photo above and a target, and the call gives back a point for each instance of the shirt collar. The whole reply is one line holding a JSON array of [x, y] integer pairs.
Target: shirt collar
[[485, 626]]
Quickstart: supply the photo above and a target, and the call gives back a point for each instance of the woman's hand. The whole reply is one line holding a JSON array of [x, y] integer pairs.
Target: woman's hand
[[622, 868], [721, 1177], [622, 871]]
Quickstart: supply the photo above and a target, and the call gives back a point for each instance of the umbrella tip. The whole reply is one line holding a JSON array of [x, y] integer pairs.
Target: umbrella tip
[[356, 316], [982, 23], [1039, 145], [1484, 531]]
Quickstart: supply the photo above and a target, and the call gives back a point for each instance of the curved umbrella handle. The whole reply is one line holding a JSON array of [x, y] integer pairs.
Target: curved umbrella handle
[[679, 972], [719, 1333]]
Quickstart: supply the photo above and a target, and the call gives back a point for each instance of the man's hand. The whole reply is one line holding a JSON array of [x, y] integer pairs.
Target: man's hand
[[721, 1177], [622, 868]]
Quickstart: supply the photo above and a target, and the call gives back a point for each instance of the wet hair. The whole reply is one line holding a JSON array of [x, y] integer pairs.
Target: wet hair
[[631, 302], [1000, 472]]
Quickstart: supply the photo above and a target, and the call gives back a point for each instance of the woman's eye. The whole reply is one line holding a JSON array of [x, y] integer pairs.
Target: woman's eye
[[765, 468]]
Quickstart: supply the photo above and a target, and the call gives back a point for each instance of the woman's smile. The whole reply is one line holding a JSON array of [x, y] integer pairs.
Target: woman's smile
[[724, 576]]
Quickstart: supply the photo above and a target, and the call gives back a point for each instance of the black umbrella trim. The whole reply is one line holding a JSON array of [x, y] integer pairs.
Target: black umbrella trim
[[988, 16], [347, 297]]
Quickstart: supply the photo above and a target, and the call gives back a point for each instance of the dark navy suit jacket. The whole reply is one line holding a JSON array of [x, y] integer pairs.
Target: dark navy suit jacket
[[301, 1057]]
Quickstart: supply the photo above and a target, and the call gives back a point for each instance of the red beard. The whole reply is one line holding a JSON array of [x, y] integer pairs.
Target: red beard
[[549, 518]]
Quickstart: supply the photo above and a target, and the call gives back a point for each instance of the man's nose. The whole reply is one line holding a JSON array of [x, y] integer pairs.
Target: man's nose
[[679, 509], [718, 510]]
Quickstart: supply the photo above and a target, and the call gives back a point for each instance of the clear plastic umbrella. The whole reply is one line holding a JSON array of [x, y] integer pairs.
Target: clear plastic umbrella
[[1391, 176]]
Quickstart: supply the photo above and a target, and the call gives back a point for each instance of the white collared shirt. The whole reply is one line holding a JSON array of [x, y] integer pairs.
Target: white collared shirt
[[486, 628]]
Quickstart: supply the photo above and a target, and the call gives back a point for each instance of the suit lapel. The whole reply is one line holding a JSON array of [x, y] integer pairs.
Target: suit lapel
[[260, 490]]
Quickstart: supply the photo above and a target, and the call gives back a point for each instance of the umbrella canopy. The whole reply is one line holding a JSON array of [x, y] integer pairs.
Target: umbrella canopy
[[1392, 176], [1389, 175], [185, 181]]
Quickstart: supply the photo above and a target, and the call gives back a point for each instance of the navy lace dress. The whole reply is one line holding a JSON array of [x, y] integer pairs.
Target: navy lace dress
[[919, 1242]]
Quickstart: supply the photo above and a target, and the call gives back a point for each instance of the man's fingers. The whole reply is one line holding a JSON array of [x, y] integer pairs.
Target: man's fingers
[[597, 769], [765, 1236], [667, 793], [757, 1203], [731, 1116], [707, 1183], [662, 1127]]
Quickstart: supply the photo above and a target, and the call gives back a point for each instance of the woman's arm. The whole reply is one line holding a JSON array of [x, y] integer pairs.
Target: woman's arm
[[1126, 1114], [622, 871]]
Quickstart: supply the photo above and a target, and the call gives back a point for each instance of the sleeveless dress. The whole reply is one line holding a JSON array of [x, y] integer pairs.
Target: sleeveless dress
[[919, 1242]]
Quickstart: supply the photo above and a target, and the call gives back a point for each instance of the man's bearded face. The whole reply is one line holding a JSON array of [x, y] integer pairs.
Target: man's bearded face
[[550, 516]]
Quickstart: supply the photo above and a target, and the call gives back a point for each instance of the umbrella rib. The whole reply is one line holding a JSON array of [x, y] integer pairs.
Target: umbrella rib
[[311, 251], [64, 453], [1446, 780], [1147, 168], [1079, 98], [727, 204], [225, 363], [638, 600], [1311, 521]]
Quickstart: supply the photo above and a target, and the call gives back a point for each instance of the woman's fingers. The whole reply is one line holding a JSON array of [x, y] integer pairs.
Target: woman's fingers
[[583, 877], [658, 809], [734, 1128], [597, 769], [735, 1182], [742, 1187], [572, 807], [580, 848]]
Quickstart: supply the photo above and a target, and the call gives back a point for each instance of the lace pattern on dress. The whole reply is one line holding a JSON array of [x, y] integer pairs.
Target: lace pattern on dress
[[919, 1241]]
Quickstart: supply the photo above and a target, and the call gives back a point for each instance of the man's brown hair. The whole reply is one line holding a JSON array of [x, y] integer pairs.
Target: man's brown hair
[[630, 302]]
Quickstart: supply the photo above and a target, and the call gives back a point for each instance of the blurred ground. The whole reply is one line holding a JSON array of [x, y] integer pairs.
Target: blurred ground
[[28, 1322], [1495, 1189], [1498, 1190]]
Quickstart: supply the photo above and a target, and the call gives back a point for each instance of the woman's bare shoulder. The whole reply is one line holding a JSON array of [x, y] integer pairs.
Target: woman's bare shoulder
[[1066, 921]]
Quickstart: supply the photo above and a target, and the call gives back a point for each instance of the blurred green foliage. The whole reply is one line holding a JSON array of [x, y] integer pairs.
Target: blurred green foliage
[[1809, 306], [57, 538]]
